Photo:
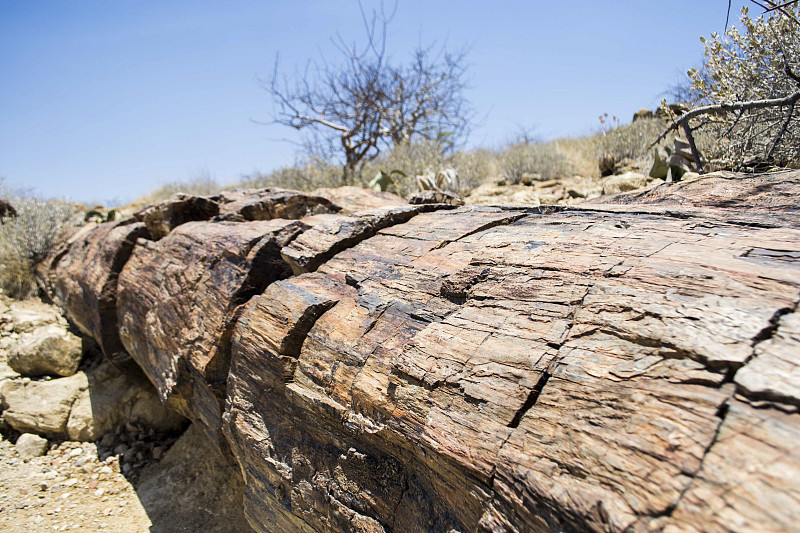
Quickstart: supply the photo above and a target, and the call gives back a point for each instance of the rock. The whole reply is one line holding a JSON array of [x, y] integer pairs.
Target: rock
[[748, 479], [113, 398], [643, 114], [560, 371], [178, 299], [728, 197], [29, 446], [41, 407], [44, 270], [317, 245], [353, 199], [624, 182], [525, 197], [49, 350], [774, 372], [162, 218], [6, 209], [271, 203], [435, 197], [27, 315], [660, 167], [624, 365], [193, 476], [86, 282], [528, 178], [86, 405]]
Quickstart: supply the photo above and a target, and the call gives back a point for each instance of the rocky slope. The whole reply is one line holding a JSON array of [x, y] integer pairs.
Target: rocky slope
[[632, 365]]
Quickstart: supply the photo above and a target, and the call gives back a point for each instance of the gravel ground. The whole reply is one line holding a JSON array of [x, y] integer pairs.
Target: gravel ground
[[69, 488]]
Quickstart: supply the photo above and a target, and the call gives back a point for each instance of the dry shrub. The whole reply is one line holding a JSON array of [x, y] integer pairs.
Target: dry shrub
[[29, 237], [305, 175], [544, 159], [202, 185], [631, 141], [424, 156]]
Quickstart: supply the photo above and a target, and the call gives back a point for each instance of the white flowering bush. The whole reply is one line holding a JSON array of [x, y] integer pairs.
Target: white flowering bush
[[755, 61]]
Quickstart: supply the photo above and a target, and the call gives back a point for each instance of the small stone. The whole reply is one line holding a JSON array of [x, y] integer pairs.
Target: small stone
[[75, 452], [30, 446], [121, 449], [158, 451], [93, 484], [126, 468], [106, 470], [99, 492], [107, 440]]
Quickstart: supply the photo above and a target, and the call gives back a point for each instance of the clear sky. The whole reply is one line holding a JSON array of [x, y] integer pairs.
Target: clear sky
[[105, 100]]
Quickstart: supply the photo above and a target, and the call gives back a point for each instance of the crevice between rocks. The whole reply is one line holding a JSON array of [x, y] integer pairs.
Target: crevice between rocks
[[506, 221], [667, 513], [533, 397]]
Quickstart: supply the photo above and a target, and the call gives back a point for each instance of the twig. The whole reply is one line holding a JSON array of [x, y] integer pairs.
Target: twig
[[728, 107], [695, 153], [783, 129]]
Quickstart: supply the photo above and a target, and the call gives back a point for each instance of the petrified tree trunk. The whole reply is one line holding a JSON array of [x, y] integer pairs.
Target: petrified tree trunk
[[625, 367]]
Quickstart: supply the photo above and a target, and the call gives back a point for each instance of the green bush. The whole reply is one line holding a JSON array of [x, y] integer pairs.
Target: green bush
[[28, 238]]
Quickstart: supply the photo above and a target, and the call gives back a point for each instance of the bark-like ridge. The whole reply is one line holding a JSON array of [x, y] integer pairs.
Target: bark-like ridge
[[597, 368]]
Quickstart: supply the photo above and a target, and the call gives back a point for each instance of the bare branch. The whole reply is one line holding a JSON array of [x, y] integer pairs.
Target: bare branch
[[782, 131], [728, 108]]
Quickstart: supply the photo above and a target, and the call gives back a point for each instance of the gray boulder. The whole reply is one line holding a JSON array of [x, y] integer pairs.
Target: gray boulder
[[47, 350]]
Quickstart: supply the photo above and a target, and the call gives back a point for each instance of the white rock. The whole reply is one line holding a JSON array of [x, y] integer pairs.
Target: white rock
[[30, 446], [47, 350], [624, 182]]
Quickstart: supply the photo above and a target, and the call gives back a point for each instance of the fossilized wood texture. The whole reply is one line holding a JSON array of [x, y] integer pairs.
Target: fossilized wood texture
[[484, 369], [271, 203], [163, 217], [85, 281], [762, 199], [625, 367], [352, 199], [178, 298], [337, 233]]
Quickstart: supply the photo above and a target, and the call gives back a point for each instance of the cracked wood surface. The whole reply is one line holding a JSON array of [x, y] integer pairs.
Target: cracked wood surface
[[530, 372], [625, 367]]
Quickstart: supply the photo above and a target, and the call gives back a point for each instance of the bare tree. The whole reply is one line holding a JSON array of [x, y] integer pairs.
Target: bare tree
[[367, 102]]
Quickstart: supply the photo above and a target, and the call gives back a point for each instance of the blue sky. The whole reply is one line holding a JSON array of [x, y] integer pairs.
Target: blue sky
[[105, 100]]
